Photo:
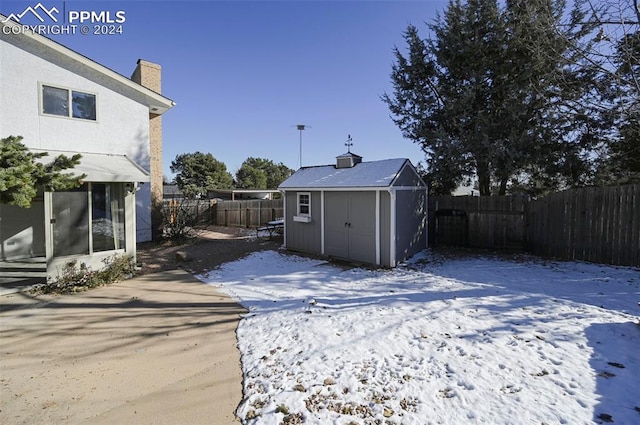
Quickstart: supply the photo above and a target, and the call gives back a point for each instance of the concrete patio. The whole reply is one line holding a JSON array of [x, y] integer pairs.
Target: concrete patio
[[157, 349]]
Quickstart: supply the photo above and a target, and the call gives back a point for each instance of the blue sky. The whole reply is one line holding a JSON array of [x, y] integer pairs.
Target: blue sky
[[243, 73]]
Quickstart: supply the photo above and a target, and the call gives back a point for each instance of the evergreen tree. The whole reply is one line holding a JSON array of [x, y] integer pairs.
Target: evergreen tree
[[21, 174], [198, 173], [276, 174], [250, 177], [482, 96], [624, 162], [602, 71], [261, 173]]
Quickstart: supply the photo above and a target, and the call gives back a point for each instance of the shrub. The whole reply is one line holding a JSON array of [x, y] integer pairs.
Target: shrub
[[179, 221], [77, 278]]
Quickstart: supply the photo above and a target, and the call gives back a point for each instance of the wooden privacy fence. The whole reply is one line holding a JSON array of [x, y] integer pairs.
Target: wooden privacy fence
[[494, 222], [202, 211], [592, 224], [247, 213], [600, 224]]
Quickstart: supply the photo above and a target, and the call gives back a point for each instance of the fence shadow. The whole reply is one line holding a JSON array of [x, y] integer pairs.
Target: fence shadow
[[614, 361]]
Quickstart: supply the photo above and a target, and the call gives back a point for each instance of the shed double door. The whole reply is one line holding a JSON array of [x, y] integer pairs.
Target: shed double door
[[350, 225]]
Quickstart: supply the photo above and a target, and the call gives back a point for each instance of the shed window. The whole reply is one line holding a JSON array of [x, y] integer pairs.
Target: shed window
[[304, 204]]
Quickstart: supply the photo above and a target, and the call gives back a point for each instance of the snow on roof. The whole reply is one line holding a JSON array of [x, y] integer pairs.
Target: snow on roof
[[365, 174]]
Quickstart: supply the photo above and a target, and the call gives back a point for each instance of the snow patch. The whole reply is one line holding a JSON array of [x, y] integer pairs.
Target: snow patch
[[458, 341]]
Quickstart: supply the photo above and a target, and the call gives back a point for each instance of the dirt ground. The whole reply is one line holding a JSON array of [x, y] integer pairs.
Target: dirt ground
[[213, 246]]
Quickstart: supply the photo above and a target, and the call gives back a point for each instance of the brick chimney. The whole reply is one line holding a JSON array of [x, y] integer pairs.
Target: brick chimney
[[148, 74]]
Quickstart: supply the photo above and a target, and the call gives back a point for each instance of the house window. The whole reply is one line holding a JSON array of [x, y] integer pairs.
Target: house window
[[304, 204], [68, 103]]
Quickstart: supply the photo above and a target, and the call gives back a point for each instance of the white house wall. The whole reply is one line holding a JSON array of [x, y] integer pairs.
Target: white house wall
[[122, 125]]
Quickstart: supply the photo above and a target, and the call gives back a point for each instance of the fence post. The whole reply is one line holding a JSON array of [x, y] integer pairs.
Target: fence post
[[211, 215]]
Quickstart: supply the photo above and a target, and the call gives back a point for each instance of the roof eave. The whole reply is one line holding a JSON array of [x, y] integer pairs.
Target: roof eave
[[334, 188]]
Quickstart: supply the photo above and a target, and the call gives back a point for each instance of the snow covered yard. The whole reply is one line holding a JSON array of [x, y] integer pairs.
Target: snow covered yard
[[471, 340]]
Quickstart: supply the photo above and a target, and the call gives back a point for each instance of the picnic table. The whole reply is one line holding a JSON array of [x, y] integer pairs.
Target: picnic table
[[273, 226]]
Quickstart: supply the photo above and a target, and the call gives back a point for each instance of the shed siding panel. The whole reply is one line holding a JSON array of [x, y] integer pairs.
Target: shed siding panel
[[303, 237], [385, 229], [362, 226], [336, 213], [410, 223]]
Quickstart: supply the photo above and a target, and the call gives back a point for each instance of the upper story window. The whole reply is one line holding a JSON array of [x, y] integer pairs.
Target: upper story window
[[68, 103]]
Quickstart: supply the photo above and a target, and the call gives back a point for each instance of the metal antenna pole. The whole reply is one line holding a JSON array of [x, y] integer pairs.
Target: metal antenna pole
[[301, 128]]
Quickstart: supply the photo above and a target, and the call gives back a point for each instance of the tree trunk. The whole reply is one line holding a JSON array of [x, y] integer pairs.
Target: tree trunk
[[503, 186], [484, 179]]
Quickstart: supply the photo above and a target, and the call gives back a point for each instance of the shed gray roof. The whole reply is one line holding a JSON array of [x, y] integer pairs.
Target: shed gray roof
[[365, 174]]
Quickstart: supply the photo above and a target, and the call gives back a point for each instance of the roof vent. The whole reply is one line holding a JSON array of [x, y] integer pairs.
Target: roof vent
[[348, 160]]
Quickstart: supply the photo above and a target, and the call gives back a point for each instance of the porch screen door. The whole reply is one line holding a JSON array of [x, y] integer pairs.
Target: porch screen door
[[70, 211]]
